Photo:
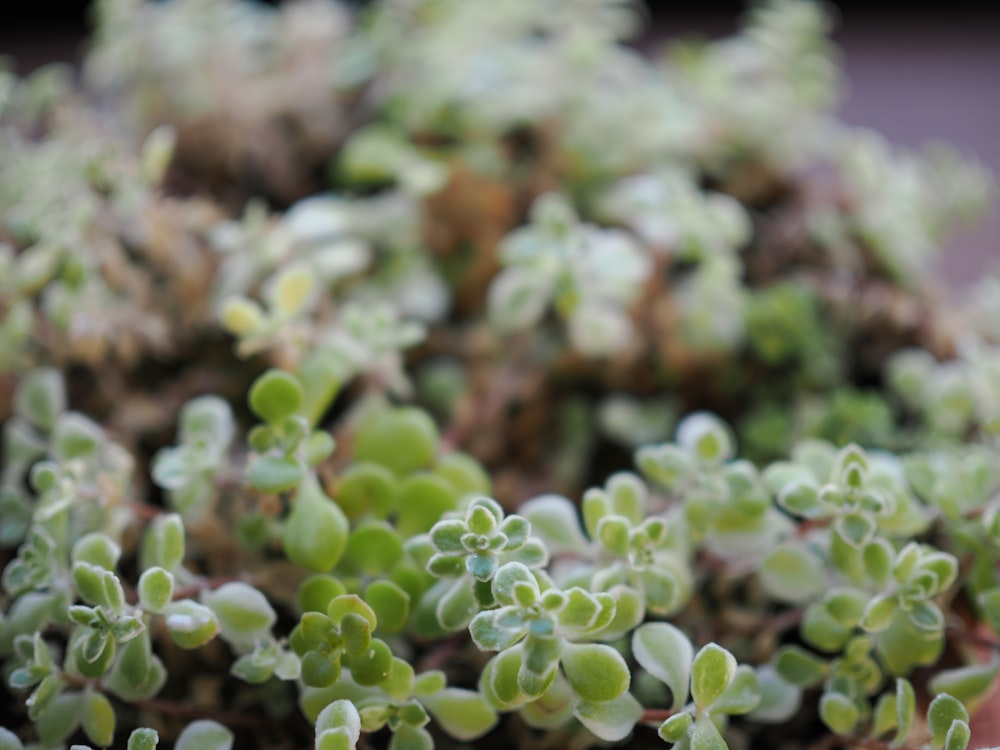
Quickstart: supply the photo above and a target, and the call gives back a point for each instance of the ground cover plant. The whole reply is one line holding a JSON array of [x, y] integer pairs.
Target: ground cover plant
[[450, 374]]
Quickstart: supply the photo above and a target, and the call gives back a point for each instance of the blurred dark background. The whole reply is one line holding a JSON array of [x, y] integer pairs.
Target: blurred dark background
[[923, 73]]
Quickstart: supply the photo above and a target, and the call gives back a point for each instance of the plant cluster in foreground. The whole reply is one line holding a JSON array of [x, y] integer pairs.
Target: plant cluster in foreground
[[447, 372]]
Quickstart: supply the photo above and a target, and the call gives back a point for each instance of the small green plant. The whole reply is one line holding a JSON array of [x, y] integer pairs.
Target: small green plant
[[560, 419]]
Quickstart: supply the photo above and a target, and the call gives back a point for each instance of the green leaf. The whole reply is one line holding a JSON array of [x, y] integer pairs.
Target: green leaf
[[499, 682], [611, 721], [9, 740], [341, 606], [75, 436], [878, 614], [706, 436], [59, 720], [944, 710], [989, 601], [41, 397], [355, 631], [275, 396], [411, 738], [390, 603], [163, 544], [613, 534], [518, 298], [44, 695], [556, 520], [204, 734], [98, 719], [373, 548], [666, 653], [243, 612], [317, 591], [334, 739], [906, 710], [89, 581], [403, 440], [665, 464], [156, 589], [791, 573], [428, 683], [712, 671], [274, 473], [839, 712], [966, 683], [464, 473], [927, 617], [372, 666], [423, 499], [878, 556], [596, 672], [885, 717], [319, 670], [316, 532], [367, 488], [143, 739], [341, 714], [190, 624], [705, 736], [457, 606], [127, 627], [799, 667], [857, 529], [676, 727], [742, 695], [958, 736], [780, 700], [463, 714], [96, 549]]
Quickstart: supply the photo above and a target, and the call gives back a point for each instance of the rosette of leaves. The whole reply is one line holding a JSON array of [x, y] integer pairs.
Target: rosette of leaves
[[537, 628], [188, 470], [341, 637], [286, 446], [670, 213], [857, 495], [630, 553], [724, 501], [404, 703], [951, 398], [469, 550], [589, 274], [717, 685]]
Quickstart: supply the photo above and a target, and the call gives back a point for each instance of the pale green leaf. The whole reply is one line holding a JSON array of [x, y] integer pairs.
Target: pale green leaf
[[712, 671], [596, 672], [463, 714], [944, 710], [611, 721], [666, 653], [839, 712], [204, 734]]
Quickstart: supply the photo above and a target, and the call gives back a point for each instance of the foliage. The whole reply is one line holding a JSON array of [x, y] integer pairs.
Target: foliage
[[400, 463]]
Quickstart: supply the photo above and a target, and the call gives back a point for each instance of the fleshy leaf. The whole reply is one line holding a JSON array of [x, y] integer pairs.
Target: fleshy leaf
[[463, 714], [611, 720], [666, 653], [596, 672], [944, 710], [712, 671], [204, 734], [799, 667], [839, 712], [742, 695], [275, 395]]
